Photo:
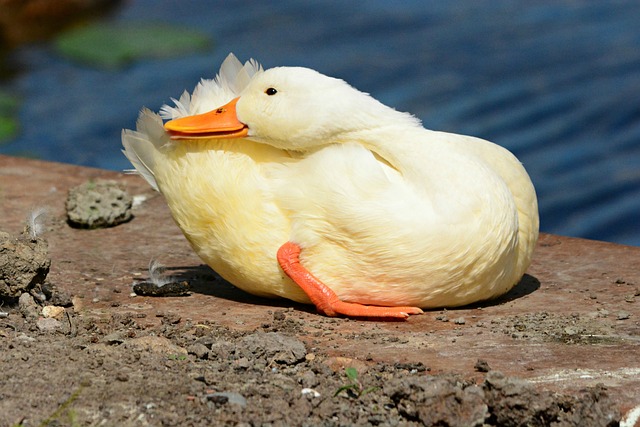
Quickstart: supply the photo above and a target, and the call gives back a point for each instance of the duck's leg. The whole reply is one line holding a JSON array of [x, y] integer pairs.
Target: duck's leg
[[325, 300]]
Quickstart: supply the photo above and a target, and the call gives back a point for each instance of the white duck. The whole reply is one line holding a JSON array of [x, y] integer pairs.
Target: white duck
[[305, 188]]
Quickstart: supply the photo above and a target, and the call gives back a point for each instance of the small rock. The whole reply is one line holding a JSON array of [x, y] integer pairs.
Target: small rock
[[412, 366], [220, 350], [113, 338], [242, 364], [274, 347], [169, 318], [52, 311], [48, 325], [199, 350], [227, 397], [482, 366], [56, 296], [24, 263], [310, 392], [98, 204], [308, 379], [25, 338], [623, 315], [28, 307], [459, 321]]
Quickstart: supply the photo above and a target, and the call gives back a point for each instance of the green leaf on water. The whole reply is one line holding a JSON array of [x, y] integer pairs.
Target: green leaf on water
[[116, 45], [8, 128]]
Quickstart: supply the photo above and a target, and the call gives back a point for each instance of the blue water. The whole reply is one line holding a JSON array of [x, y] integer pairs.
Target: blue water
[[556, 82]]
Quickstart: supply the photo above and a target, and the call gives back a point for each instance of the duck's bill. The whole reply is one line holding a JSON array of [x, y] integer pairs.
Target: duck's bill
[[219, 123]]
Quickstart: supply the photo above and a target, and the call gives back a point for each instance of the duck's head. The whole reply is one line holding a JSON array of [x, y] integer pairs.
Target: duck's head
[[290, 108]]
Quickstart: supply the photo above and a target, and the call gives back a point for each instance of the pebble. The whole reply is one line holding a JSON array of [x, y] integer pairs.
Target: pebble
[[113, 338], [482, 366], [52, 311], [308, 379], [274, 347], [310, 392], [48, 325], [623, 315], [28, 306], [199, 350], [460, 321], [227, 397]]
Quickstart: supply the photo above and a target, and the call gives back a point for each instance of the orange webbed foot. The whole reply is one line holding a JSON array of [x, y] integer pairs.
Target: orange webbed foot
[[325, 300]]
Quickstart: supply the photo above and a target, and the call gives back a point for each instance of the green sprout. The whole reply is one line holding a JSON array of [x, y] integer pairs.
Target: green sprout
[[177, 357], [354, 388], [56, 417]]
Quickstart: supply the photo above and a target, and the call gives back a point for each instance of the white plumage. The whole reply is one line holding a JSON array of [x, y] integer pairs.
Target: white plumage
[[385, 212]]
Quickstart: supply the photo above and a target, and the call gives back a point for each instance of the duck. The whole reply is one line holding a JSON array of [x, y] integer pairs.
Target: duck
[[293, 184]]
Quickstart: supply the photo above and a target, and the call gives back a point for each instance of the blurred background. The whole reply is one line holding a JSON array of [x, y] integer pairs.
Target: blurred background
[[556, 82]]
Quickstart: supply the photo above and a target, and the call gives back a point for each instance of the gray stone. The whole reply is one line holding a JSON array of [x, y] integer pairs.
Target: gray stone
[[274, 347], [98, 204]]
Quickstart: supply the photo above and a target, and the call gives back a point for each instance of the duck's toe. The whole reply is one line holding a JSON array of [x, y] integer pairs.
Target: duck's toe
[[359, 310]]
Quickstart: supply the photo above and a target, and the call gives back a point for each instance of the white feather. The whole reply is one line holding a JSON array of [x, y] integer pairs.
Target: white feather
[[141, 146], [156, 274], [36, 221]]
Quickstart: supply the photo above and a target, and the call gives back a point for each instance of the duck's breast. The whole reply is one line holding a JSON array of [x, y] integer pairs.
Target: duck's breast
[[219, 198]]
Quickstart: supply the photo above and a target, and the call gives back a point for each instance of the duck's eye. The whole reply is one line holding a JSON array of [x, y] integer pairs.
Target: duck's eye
[[271, 91]]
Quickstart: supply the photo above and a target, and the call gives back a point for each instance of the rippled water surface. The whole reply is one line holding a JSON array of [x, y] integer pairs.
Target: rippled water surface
[[556, 82]]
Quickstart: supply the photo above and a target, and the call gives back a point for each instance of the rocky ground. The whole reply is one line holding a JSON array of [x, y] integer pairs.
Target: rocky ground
[[79, 347], [119, 371]]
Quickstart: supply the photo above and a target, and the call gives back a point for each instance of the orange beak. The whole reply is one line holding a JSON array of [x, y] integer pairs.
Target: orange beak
[[219, 123]]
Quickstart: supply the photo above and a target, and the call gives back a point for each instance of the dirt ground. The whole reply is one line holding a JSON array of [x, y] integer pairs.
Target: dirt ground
[[116, 370], [561, 349]]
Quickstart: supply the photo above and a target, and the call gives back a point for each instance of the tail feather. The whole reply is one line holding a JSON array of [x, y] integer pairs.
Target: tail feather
[[140, 146]]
